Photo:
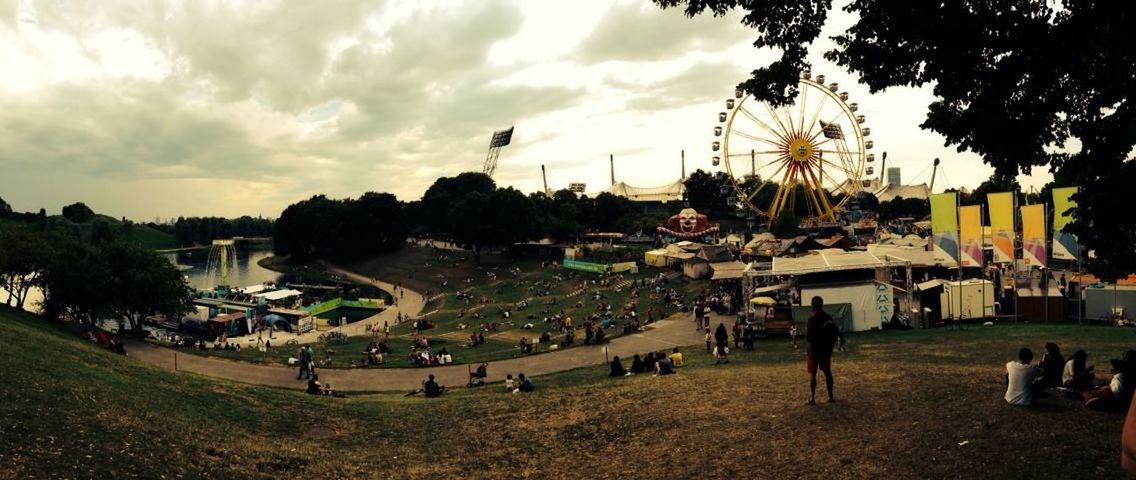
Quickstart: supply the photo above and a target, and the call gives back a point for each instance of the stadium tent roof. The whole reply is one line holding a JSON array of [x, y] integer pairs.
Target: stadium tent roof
[[662, 193], [890, 192]]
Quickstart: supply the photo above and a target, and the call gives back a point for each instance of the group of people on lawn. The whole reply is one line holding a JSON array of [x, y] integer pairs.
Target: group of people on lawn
[[658, 363], [522, 384], [1026, 382]]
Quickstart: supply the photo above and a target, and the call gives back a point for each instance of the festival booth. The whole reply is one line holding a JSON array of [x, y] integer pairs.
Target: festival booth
[[699, 266], [840, 278], [732, 270], [230, 324], [1035, 304], [972, 298], [657, 258]]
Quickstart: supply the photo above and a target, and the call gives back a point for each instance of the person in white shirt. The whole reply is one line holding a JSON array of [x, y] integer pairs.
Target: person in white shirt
[[1020, 376], [1077, 374]]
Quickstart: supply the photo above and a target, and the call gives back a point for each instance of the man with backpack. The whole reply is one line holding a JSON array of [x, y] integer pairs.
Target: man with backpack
[[821, 334]]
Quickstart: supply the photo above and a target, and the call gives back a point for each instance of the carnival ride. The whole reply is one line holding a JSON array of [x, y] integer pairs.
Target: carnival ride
[[815, 148]]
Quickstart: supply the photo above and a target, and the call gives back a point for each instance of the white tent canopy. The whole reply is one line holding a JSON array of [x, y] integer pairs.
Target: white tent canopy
[[918, 256], [827, 260], [279, 294], [251, 289]]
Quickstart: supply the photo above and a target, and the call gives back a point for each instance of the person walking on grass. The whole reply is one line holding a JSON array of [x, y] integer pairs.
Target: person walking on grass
[[820, 336]]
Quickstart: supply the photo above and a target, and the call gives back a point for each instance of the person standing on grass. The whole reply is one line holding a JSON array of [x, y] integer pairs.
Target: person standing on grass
[[820, 335], [709, 342]]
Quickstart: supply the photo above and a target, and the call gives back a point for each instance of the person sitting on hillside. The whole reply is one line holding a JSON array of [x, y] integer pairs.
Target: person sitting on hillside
[[1020, 376], [599, 337], [1078, 376], [1052, 364], [314, 387], [545, 337], [636, 364], [676, 358], [431, 388], [525, 345], [525, 384], [663, 365], [617, 369], [478, 376], [1118, 392]]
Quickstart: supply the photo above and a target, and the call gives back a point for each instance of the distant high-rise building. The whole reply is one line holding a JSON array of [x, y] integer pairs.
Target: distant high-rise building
[[893, 176]]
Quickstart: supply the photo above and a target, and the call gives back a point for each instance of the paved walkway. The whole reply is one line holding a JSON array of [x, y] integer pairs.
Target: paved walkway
[[662, 335]]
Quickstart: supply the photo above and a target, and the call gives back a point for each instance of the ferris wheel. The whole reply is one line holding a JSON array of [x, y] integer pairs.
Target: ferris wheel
[[808, 157]]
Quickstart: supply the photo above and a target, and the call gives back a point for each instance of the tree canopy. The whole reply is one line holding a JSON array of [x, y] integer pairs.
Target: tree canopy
[[1023, 83], [78, 212], [341, 229]]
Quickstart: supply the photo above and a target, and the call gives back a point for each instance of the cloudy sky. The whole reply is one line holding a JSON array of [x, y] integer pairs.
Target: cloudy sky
[[198, 107]]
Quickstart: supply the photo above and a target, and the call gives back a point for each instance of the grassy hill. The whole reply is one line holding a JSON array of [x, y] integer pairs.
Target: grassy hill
[[909, 401], [140, 234]]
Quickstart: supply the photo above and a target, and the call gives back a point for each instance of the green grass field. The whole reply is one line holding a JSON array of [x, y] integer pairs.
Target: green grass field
[[922, 404], [433, 267]]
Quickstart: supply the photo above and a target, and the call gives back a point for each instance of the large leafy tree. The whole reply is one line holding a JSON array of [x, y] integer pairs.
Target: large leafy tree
[[498, 218], [1023, 83], [78, 212], [21, 262], [445, 191], [709, 194]]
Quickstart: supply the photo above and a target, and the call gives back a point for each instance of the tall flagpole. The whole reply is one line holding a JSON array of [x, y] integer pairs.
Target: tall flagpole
[[958, 261]]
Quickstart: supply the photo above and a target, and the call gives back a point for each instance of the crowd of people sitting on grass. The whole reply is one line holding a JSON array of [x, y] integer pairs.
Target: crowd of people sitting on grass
[[1027, 382], [423, 357], [111, 342], [655, 363]]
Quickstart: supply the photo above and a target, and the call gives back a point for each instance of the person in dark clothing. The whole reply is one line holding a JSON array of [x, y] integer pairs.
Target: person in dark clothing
[[431, 388], [1052, 364], [636, 364], [314, 387], [617, 368], [526, 383], [1077, 375], [821, 334], [663, 366], [721, 335]]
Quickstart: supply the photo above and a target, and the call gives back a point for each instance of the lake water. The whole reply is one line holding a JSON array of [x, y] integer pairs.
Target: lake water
[[247, 272]]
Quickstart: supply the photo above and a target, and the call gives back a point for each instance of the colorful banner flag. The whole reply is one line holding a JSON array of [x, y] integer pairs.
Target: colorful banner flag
[[970, 235], [944, 226], [1033, 235], [1064, 243], [1001, 207]]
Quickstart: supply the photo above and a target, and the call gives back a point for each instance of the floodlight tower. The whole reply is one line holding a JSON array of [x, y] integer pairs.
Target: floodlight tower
[[500, 139]]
